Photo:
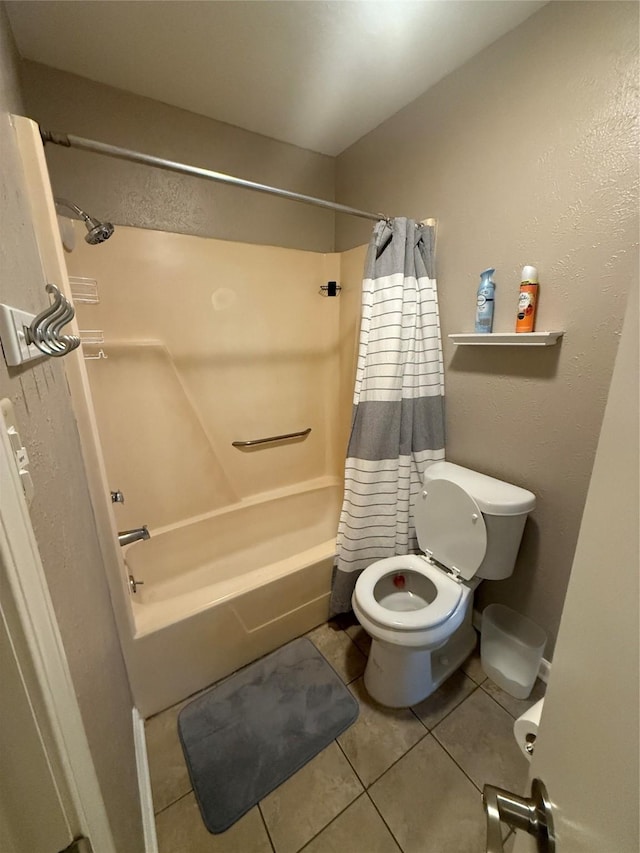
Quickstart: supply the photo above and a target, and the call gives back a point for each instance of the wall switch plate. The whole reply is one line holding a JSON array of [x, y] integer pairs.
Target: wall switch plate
[[20, 455]]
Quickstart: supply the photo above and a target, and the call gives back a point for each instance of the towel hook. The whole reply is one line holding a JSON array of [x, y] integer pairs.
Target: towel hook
[[45, 328]]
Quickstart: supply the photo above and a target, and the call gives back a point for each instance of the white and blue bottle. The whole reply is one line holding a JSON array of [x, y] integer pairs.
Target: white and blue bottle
[[485, 302]]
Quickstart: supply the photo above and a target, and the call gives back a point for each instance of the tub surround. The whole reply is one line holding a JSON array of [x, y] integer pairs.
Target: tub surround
[[228, 342], [209, 342]]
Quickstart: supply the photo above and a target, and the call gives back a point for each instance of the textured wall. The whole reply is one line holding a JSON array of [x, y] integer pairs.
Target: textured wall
[[131, 194], [526, 155], [10, 91], [61, 512]]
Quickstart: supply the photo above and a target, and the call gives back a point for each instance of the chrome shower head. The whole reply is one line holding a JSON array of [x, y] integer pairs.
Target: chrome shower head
[[98, 231]]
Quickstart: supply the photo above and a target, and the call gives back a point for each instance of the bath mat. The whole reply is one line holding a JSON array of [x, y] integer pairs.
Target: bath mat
[[250, 732]]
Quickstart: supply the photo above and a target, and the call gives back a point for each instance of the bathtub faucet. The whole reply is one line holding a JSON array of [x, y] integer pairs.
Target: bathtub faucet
[[126, 537]]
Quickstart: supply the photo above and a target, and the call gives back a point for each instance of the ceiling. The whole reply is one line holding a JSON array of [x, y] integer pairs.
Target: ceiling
[[313, 73]]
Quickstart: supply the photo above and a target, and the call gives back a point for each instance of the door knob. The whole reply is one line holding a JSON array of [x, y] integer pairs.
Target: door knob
[[531, 814]]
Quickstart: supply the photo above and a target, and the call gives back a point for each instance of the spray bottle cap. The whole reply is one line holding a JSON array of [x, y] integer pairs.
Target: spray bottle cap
[[488, 273], [530, 274]]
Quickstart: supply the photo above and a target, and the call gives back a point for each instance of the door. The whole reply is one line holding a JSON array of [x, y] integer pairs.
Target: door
[[28, 786], [587, 749], [49, 791]]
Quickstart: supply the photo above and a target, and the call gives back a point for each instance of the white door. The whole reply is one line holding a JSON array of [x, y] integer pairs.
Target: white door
[[587, 749], [28, 784], [49, 791]]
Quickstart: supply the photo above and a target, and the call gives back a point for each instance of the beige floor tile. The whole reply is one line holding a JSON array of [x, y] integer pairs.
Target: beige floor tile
[[359, 829], [167, 768], [341, 652], [473, 666], [445, 699], [181, 830], [429, 804], [303, 805], [360, 638], [478, 734], [379, 736], [514, 706]]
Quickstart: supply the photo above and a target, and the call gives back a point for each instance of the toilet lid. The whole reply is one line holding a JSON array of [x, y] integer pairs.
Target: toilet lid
[[450, 527]]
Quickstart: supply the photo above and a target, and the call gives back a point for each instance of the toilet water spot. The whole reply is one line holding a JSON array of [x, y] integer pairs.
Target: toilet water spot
[[399, 581]]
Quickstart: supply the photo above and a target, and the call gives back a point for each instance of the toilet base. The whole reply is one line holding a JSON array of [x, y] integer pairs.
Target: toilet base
[[400, 676]]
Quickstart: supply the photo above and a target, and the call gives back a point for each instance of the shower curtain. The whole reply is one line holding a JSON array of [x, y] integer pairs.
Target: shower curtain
[[398, 414]]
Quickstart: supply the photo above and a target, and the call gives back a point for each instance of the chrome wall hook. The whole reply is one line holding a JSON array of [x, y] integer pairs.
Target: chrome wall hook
[[44, 330]]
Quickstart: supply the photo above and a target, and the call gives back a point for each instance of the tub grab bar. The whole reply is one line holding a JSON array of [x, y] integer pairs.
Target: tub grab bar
[[303, 434]]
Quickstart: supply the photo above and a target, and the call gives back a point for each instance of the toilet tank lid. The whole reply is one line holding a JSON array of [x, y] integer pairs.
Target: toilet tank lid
[[494, 497]]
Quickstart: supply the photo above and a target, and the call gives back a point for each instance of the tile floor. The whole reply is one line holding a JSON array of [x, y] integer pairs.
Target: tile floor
[[405, 780]]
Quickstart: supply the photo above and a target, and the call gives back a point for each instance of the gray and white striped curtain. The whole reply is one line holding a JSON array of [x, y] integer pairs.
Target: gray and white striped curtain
[[398, 415]]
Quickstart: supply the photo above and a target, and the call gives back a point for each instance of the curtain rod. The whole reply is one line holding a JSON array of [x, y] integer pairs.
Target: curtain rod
[[68, 140]]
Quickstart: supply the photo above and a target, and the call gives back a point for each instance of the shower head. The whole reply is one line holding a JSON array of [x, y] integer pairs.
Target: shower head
[[98, 231]]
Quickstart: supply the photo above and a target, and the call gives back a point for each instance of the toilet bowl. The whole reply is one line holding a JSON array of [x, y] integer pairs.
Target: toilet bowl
[[417, 608]]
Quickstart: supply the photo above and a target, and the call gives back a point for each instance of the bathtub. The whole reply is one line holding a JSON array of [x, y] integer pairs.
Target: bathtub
[[223, 589]]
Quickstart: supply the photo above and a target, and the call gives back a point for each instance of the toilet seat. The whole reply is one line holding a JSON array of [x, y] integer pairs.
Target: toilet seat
[[449, 594]]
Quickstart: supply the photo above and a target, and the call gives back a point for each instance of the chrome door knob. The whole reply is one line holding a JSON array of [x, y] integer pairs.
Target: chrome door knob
[[531, 814]]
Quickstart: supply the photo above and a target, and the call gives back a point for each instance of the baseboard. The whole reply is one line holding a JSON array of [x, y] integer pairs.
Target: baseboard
[[545, 665], [144, 784]]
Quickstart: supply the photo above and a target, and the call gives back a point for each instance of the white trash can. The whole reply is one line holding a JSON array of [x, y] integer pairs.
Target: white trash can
[[511, 648]]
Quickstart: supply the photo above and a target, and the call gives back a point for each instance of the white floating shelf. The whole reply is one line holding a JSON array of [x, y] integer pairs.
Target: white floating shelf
[[507, 339]]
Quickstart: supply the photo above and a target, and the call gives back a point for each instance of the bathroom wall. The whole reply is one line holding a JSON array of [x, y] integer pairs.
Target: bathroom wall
[[526, 155], [209, 342], [130, 194], [10, 90], [61, 513]]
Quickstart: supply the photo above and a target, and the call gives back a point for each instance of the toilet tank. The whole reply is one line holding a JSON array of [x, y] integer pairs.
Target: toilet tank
[[504, 508]]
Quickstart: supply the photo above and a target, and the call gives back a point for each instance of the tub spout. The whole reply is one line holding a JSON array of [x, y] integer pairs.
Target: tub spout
[[126, 537]]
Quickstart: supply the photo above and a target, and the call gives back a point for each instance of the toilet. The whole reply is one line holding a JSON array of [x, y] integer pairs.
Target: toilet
[[418, 608]]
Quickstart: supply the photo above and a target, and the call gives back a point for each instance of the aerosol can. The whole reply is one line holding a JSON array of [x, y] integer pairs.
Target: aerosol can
[[527, 300], [485, 302]]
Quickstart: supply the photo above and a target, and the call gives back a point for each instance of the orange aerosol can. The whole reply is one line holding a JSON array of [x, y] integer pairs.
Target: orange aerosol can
[[527, 300]]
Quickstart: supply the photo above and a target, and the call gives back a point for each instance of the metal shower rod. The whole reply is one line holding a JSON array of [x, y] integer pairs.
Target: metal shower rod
[[68, 140]]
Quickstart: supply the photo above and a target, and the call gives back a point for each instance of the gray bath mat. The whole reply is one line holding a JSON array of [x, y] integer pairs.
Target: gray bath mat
[[249, 733]]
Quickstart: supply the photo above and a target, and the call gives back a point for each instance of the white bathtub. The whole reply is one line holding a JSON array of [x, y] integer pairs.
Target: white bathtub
[[221, 590]]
